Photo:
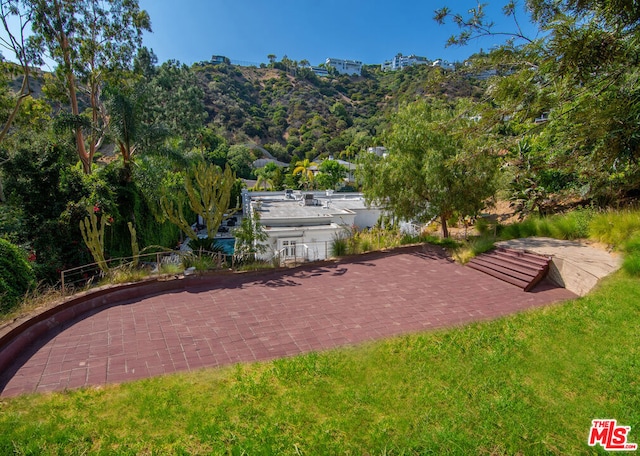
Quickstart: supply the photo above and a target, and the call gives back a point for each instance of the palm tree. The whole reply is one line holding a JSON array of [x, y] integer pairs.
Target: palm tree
[[263, 182], [303, 167], [124, 122]]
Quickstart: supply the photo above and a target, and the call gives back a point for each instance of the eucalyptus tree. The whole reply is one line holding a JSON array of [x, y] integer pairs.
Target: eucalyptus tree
[[16, 23], [16, 41], [91, 41]]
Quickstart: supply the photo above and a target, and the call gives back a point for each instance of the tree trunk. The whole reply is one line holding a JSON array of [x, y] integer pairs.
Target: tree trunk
[[85, 158], [445, 230]]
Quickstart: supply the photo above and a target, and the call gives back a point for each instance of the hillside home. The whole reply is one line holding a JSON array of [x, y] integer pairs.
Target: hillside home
[[301, 226], [350, 67], [320, 72], [444, 65], [380, 151], [403, 61]]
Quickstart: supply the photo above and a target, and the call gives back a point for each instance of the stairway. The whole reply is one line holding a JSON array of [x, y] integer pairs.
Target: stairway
[[516, 267]]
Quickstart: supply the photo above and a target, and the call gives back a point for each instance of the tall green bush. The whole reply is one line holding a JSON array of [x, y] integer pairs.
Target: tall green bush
[[16, 276]]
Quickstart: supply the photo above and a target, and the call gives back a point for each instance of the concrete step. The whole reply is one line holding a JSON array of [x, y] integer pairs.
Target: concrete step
[[518, 268]]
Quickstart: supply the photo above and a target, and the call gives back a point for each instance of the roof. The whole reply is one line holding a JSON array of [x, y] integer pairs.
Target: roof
[[327, 207]]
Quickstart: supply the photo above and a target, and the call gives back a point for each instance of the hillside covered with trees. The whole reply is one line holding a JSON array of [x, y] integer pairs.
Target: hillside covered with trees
[[298, 115]]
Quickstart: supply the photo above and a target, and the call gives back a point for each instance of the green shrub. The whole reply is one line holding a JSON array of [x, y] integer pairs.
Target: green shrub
[[16, 276], [572, 225], [481, 244], [485, 226], [339, 246], [366, 245], [202, 261], [631, 263], [631, 248], [171, 268], [632, 245], [615, 228]]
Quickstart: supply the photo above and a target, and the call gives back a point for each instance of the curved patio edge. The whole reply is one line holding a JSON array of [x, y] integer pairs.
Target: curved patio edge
[[17, 335]]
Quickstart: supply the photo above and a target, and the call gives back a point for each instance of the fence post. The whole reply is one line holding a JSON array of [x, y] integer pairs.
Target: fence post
[[62, 280]]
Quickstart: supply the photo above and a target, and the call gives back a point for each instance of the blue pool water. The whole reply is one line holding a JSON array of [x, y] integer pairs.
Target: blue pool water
[[227, 244]]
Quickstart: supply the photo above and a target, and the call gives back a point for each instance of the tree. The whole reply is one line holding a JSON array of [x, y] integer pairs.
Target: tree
[[431, 169], [25, 52], [124, 122], [240, 159], [582, 71], [331, 174], [89, 39], [262, 183], [305, 169], [270, 176], [43, 184], [173, 105], [250, 238], [208, 194], [16, 276], [22, 48]]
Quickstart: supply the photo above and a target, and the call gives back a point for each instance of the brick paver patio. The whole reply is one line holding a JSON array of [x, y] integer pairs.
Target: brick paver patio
[[279, 313]]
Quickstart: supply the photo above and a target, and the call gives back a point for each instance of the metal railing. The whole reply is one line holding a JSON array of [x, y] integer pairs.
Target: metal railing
[[85, 276]]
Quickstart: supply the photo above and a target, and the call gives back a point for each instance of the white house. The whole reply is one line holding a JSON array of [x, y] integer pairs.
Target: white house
[[320, 72], [444, 64], [303, 225], [380, 151], [403, 61], [349, 67]]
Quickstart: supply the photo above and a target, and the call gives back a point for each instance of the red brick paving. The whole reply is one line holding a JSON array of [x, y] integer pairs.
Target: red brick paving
[[280, 313]]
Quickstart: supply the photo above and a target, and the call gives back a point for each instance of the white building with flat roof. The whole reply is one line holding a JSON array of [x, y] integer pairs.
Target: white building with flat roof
[[350, 67], [302, 226], [403, 61], [320, 72], [450, 66]]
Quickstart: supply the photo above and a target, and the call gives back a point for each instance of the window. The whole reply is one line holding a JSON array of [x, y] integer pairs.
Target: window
[[288, 248]]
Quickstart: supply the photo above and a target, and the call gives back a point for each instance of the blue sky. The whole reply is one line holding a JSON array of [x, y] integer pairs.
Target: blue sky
[[367, 30]]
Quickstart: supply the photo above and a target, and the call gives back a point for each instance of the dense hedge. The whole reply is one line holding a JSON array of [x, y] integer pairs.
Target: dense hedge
[[16, 276]]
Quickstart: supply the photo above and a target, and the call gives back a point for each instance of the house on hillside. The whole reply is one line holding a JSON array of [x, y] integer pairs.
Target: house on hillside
[[400, 62], [380, 151], [449, 66], [301, 226], [320, 72], [350, 67]]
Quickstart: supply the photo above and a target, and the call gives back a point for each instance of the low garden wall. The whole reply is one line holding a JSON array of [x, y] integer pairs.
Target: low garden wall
[[18, 335]]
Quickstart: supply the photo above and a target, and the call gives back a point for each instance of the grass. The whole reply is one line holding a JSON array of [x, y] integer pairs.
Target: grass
[[525, 384]]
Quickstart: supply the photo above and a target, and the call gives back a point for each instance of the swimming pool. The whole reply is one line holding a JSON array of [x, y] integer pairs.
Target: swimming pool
[[227, 244]]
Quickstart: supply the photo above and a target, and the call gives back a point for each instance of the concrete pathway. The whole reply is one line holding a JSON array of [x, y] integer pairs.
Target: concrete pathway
[[280, 313]]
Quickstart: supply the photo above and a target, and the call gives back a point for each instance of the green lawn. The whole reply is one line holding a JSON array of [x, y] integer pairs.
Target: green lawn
[[526, 384]]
